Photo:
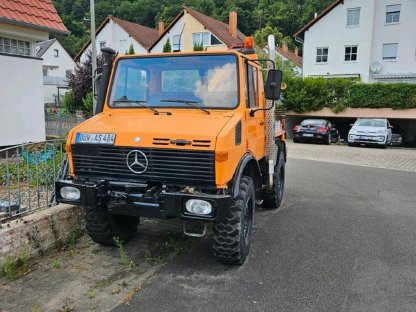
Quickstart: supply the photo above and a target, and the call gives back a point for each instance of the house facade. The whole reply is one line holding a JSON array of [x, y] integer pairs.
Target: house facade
[[191, 28], [119, 34], [57, 64], [21, 103], [372, 40]]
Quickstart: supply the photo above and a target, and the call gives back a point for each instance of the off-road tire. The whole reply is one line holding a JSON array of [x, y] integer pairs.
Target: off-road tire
[[272, 198], [231, 239], [102, 226]]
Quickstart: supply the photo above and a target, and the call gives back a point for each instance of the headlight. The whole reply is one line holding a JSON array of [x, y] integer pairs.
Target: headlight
[[70, 193], [198, 206]]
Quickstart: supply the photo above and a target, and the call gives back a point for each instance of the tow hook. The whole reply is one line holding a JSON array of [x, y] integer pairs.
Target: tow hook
[[190, 228]]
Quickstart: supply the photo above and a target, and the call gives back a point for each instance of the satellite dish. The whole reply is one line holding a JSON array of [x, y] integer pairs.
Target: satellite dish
[[375, 67]]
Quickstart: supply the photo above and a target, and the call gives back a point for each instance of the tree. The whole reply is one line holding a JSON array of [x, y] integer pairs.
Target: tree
[[167, 47], [80, 80], [260, 37], [130, 50]]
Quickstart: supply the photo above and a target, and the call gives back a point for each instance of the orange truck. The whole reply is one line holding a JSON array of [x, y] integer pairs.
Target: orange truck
[[188, 135]]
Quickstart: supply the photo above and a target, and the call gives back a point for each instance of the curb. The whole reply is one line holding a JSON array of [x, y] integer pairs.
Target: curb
[[39, 232]]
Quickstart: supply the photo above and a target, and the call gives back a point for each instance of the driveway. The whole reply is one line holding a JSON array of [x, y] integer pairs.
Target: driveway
[[390, 158], [343, 240]]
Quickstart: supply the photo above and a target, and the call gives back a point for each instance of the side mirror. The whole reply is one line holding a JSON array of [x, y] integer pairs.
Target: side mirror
[[97, 83], [273, 84]]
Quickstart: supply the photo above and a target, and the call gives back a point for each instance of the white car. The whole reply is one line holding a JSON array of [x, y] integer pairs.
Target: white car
[[370, 131]]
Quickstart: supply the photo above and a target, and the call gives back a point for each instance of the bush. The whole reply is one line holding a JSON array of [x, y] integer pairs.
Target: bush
[[198, 47], [88, 104], [167, 47], [70, 104], [312, 94]]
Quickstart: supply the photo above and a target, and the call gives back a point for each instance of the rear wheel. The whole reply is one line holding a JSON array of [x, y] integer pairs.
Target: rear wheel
[[273, 197], [232, 235], [329, 139], [103, 227]]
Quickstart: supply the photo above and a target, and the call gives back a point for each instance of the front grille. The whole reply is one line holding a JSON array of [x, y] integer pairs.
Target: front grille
[[171, 166]]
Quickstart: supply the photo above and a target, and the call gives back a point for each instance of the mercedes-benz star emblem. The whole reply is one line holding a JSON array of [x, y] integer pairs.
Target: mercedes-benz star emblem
[[137, 161]]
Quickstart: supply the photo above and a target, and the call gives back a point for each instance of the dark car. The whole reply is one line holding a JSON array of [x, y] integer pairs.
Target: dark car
[[315, 130], [396, 140]]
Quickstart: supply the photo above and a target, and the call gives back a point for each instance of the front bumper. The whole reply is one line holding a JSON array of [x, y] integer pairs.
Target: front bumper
[[367, 139], [311, 137], [167, 205]]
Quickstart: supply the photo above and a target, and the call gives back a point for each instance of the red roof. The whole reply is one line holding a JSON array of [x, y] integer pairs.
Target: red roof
[[32, 13], [295, 58]]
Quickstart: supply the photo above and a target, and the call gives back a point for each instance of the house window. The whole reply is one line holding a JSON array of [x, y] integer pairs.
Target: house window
[[68, 73], [13, 46], [353, 17], [206, 38], [351, 53], [176, 42], [393, 13], [390, 51], [102, 44], [322, 55], [55, 52], [45, 72]]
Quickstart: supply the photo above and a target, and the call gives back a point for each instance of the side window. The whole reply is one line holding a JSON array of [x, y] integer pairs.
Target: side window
[[251, 86]]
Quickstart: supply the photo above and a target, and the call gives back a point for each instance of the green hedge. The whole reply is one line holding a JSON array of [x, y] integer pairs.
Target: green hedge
[[312, 94]]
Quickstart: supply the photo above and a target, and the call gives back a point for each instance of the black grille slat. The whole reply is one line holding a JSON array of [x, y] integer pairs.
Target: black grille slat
[[165, 165]]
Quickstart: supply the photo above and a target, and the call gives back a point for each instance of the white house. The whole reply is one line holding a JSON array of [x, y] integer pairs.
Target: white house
[[190, 28], [374, 40], [57, 64], [21, 88], [119, 35]]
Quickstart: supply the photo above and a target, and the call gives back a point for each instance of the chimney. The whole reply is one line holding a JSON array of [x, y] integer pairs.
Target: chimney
[[232, 24], [284, 47], [297, 51], [161, 27]]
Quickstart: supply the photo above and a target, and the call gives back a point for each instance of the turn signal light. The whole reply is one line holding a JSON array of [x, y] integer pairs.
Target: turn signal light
[[221, 156]]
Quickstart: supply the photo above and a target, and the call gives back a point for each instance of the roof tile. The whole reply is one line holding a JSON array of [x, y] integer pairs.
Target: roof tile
[[34, 12]]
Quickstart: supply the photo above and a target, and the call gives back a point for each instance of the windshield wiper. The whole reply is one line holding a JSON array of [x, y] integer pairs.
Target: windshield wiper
[[188, 102], [125, 99]]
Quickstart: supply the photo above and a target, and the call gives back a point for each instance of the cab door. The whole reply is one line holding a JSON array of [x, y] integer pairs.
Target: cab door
[[255, 124]]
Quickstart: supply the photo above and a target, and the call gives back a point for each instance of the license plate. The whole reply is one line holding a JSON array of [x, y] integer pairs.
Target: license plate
[[365, 138], [95, 138], [307, 135]]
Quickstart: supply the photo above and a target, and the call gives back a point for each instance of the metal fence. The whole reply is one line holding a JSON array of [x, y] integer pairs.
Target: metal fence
[[58, 126], [27, 175]]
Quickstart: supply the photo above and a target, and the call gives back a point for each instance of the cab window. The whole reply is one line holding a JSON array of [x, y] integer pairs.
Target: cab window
[[251, 87]]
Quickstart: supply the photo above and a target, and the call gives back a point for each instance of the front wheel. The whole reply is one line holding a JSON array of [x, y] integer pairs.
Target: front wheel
[[232, 235], [103, 227], [272, 198]]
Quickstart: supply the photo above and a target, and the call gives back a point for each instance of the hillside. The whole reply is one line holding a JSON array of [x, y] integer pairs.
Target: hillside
[[283, 16]]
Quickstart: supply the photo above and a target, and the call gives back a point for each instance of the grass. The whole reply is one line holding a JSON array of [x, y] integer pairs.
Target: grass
[[13, 268], [56, 264], [92, 293], [125, 260]]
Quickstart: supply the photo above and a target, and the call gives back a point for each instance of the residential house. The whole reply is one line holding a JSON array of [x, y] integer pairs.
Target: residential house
[[373, 40], [22, 24], [119, 35], [190, 28], [293, 57], [57, 64]]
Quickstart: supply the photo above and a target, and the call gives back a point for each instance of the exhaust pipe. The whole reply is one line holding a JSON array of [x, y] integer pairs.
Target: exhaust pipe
[[102, 79]]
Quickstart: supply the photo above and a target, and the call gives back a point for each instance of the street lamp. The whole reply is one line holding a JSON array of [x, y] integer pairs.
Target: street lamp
[[93, 51]]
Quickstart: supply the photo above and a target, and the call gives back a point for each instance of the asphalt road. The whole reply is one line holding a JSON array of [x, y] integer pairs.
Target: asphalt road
[[343, 240]]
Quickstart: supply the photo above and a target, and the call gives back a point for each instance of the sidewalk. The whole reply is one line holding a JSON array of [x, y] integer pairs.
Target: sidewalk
[[90, 277]]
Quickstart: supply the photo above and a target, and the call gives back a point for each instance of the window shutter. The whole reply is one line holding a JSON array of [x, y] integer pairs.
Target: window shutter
[[393, 8], [390, 50]]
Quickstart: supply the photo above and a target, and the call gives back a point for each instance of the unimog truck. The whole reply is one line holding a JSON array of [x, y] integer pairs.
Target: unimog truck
[[183, 135]]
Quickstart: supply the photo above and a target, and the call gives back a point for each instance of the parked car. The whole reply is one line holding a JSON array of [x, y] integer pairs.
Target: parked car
[[315, 130], [396, 139], [370, 131]]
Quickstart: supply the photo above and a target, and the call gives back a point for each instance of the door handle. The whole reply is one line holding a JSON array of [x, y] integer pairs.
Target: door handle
[[261, 123]]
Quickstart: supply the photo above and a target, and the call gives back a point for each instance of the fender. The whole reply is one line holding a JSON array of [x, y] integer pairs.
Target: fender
[[245, 160]]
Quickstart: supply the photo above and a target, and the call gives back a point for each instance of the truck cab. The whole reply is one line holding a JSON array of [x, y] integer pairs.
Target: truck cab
[[179, 135]]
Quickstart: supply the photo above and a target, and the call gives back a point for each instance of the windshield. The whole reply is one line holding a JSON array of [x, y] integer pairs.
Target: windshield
[[313, 122], [371, 123], [206, 81]]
